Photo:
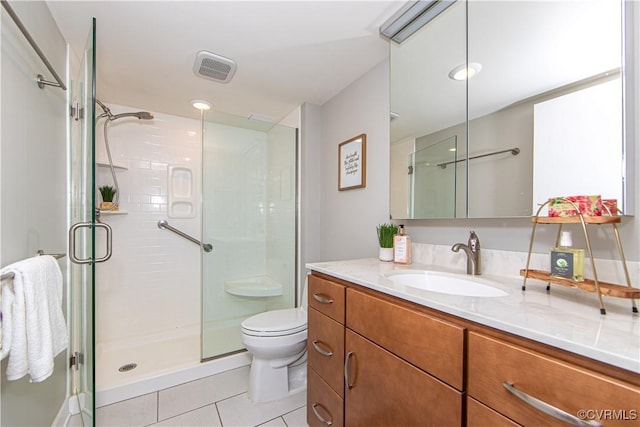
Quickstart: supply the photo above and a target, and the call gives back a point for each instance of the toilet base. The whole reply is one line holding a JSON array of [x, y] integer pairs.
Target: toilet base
[[267, 383]]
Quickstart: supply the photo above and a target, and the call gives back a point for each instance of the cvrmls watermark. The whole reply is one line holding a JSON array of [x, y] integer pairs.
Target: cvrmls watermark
[[608, 414]]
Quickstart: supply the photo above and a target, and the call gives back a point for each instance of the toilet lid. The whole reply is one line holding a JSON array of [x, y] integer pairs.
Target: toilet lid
[[276, 322]]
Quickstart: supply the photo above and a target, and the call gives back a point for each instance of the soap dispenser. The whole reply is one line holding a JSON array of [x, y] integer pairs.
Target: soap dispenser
[[401, 247]]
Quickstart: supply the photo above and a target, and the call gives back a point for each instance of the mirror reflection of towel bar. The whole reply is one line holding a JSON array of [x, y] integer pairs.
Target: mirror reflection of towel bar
[[515, 151], [163, 224]]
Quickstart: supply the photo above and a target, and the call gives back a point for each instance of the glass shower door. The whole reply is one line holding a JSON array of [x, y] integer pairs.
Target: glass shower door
[[82, 211], [249, 215]]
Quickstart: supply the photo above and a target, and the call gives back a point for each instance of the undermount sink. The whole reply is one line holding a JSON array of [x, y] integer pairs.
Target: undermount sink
[[445, 284]]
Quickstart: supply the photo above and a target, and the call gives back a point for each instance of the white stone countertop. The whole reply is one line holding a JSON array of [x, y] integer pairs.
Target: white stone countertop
[[565, 318]]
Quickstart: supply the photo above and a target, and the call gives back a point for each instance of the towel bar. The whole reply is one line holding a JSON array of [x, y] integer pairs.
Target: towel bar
[[39, 252]]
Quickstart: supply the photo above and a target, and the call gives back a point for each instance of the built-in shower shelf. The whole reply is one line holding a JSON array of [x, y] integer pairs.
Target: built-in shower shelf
[[115, 166], [260, 286], [118, 212]]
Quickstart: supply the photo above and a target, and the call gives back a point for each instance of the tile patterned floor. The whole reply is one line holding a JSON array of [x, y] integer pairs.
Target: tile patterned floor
[[216, 401]]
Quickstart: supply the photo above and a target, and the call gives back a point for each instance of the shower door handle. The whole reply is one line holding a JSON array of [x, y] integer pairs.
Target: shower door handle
[[72, 242]]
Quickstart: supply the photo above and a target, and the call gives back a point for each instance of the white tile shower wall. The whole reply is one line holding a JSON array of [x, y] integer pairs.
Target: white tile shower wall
[[281, 198], [234, 207], [152, 282]]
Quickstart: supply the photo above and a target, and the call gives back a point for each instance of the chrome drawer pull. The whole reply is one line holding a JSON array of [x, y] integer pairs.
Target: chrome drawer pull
[[548, 409], [319, 349], [320, 417], [322, 298], [347, 365]]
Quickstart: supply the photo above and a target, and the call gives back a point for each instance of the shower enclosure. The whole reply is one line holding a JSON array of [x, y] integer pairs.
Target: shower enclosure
[[46, 186], [249, 215]]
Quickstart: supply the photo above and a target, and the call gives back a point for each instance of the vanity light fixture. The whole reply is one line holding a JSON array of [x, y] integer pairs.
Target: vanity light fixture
[[201, 104], [463, 72], [411, 17]]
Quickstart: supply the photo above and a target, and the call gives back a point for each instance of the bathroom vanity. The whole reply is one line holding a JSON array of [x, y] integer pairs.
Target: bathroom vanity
[[390, 355]]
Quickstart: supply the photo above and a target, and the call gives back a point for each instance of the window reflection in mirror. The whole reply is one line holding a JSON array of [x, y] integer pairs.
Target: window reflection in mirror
[[530, 52]]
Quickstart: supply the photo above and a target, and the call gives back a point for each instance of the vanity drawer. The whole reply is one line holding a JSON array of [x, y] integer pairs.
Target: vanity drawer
[[327, 297], [478, 415], [433, 345], [572, 389], [326, 349], [324, 406]]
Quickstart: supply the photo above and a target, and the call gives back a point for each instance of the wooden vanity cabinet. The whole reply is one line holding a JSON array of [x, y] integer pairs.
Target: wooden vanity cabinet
[[398, 367], [401, 364]]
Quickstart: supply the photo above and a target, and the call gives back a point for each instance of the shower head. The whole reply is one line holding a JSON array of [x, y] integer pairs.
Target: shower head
[[107, 110], [142, 115]]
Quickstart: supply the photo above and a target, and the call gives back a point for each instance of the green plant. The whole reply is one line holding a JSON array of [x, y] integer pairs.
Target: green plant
[[385, 234], [107, 192]]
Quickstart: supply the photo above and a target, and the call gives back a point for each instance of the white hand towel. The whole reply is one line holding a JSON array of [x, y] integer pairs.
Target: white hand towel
[[39, 330], [7, 317]]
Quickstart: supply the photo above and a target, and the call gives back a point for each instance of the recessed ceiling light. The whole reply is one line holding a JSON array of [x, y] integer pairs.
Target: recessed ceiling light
[[201, 104], [463, 72]]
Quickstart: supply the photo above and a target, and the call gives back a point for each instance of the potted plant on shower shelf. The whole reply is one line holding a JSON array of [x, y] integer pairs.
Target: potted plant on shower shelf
[[107, 192], [385, 241]]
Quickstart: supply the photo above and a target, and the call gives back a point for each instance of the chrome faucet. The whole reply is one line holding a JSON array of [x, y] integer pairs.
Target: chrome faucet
[[472, 249]]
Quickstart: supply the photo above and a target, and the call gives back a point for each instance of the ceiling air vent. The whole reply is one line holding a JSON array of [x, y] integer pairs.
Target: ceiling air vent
[[214, 67]]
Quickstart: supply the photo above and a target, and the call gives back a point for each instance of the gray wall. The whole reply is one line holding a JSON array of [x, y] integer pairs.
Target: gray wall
[[348, 219]]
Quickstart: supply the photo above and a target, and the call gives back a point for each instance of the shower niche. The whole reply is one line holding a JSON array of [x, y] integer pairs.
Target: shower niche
[[181, 197]]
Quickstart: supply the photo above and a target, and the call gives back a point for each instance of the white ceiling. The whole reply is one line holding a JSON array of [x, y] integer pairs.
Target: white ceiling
[[287, 52]]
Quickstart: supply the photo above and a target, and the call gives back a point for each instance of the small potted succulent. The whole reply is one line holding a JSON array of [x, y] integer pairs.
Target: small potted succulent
[[385, 241], [107, 192]]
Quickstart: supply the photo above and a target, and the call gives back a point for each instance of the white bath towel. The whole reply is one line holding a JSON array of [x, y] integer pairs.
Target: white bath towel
[[6, 317], [39, 332]]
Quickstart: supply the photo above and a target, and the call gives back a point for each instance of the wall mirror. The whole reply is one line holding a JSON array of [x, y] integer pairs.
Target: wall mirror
[[547, 72]]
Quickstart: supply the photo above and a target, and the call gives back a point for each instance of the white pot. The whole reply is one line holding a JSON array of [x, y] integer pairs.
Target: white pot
[[385, 254]]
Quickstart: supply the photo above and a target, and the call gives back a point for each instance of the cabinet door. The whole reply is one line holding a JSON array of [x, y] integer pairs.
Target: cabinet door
[[433, 345], [384, 390], [326, 349]]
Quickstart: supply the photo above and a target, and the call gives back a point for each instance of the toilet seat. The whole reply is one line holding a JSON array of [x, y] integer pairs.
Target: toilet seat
[[276, 323]]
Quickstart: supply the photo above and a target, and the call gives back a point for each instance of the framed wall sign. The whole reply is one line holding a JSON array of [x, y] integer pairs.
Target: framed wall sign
[[352, 163]]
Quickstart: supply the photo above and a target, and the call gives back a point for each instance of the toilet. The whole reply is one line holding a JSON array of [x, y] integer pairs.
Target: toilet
[[278, 342]]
